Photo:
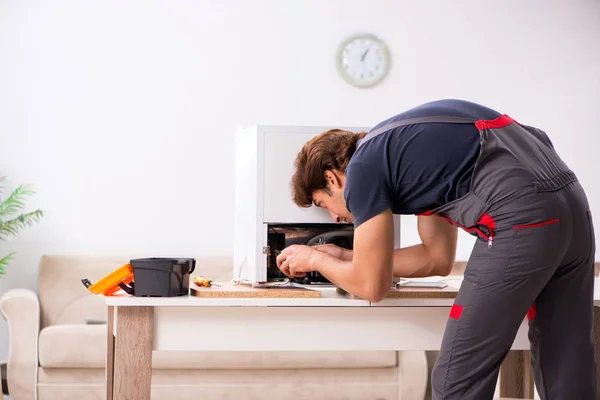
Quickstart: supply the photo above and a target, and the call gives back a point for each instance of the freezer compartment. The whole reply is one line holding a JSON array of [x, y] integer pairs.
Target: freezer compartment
[[280, 236]]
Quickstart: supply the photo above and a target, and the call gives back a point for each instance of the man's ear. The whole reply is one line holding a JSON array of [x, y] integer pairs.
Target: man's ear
[[332, 179]]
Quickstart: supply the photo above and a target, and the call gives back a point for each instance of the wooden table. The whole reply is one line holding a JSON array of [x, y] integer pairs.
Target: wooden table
[[414, 321]]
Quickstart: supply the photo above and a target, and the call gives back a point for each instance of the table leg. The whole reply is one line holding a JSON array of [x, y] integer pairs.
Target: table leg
[[110, 353], [516, 375], [597, 343], [133, 353]]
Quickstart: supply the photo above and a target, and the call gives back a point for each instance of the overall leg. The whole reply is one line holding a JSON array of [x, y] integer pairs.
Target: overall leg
[[561, 324], [500, 285]]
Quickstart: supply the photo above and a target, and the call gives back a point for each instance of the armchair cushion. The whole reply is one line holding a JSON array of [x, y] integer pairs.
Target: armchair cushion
[[73, 346]]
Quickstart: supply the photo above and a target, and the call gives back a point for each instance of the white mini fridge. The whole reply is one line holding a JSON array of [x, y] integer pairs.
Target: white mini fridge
[[266, 218]]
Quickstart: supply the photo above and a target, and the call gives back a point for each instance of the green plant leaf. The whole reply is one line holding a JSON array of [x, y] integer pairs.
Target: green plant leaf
[[4, 262], [13, 226], [15, 202]]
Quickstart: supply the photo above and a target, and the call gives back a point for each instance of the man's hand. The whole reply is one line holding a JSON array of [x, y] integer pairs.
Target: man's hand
[[296, 260], [336, 251]]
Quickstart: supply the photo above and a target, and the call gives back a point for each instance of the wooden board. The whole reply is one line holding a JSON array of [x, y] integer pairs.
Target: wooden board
[[413, 293], [422, 293], [227, 289]]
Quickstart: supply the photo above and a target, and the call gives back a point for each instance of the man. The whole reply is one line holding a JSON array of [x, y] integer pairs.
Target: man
[[458, 164]]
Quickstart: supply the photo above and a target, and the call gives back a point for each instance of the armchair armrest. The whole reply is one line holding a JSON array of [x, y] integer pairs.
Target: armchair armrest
[[412, 374], [21, 309]]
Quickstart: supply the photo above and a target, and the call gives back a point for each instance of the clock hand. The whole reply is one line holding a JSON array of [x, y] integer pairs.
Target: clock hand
[[362, 58]]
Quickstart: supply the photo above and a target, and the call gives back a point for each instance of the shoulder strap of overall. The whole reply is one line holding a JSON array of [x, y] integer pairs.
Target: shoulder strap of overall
[[411, 121]]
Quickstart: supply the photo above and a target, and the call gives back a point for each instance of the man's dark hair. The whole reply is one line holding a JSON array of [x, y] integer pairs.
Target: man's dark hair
[[331, 150]]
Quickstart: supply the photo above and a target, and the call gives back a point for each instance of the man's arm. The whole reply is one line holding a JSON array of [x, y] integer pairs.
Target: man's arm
[[369, 274], [435, 256], [436, 253], [367, 271]]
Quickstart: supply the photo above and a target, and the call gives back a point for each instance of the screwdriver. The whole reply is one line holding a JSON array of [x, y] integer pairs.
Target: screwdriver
[[202, 281]]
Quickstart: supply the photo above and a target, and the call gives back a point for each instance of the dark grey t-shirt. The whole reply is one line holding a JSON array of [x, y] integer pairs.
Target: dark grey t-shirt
[[415, 168]]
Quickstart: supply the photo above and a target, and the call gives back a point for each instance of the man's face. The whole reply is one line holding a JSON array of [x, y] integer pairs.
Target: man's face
[[333, 198]]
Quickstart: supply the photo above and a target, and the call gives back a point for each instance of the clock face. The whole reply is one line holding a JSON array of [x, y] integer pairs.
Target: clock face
[[363, 60]]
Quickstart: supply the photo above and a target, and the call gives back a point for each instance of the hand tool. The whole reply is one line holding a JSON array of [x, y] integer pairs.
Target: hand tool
[[202, 281]]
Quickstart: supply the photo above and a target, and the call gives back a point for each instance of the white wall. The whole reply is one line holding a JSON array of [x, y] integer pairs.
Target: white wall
[[123, 112]]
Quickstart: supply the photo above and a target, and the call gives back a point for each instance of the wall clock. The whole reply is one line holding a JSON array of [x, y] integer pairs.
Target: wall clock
[[363, 60]]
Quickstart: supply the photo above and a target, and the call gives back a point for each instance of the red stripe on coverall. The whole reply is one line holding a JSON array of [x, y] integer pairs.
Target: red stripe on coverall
[[500, 122]]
